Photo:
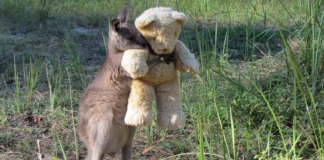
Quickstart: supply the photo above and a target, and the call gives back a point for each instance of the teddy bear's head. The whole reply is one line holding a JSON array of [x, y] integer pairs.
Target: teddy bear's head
[[161, 28]]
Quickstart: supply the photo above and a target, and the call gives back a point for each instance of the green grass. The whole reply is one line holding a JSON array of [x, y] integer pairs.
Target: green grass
[[259, 94]]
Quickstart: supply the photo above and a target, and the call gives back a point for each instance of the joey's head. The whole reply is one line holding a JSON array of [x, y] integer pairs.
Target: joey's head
[[161, 28], [124, 36]]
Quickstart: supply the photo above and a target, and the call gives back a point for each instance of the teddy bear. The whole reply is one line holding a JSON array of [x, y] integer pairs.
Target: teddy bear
[[160, 27]]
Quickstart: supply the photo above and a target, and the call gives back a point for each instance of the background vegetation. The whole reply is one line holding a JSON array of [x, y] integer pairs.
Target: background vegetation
[[260, 93]]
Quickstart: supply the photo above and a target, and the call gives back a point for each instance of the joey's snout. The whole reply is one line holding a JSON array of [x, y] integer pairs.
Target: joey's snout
[[141, 41]]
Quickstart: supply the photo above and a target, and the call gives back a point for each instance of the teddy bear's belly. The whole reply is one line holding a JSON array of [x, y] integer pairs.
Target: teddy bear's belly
[[160, 73]]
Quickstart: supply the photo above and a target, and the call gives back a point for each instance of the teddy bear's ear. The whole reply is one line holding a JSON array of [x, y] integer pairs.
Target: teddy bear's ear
[[180, 17], [144, 21]]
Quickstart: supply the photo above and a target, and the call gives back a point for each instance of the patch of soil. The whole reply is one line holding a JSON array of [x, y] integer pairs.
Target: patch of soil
[[20, 134]]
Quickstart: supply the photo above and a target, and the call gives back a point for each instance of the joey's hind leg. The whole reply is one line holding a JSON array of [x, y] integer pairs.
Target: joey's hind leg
[[139, 109], [98, 130], [95, 153], [97, 156], [89, 151], [168, 102], [127, 149]]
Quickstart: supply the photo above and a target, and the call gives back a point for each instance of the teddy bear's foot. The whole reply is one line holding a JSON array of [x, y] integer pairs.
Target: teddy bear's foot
[[174, 120], [138, 118]]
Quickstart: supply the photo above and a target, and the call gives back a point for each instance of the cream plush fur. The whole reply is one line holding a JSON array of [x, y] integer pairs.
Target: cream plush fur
[[161, 28]]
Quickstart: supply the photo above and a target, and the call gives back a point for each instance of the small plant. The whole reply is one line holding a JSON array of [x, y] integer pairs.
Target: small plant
[[75, 58], [43, 12], [31, 74], [17, 85], [54, 80]]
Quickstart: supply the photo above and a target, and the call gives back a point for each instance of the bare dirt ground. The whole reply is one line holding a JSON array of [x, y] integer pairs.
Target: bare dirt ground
[[26, 129]]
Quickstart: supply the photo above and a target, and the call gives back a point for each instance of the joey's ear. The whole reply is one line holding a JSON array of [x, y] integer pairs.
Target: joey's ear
[[144, 21], [180, 17], [115, 24], [123, 15]]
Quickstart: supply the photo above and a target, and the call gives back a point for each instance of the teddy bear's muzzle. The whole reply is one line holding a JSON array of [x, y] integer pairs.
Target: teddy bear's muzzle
[[164, 50]]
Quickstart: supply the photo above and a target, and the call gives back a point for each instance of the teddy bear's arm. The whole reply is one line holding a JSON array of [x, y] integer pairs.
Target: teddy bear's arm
[[134, 62], [185, 61]]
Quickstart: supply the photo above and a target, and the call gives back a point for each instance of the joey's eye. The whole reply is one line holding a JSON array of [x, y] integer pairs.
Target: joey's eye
[[125, 32], [131, 38], [175, 34]]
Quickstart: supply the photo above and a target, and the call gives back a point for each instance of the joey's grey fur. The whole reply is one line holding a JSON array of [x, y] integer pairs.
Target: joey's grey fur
[[104, 103]]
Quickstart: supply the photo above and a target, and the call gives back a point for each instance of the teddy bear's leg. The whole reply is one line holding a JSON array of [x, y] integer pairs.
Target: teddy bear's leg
[[168, 102], [139, 109]]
